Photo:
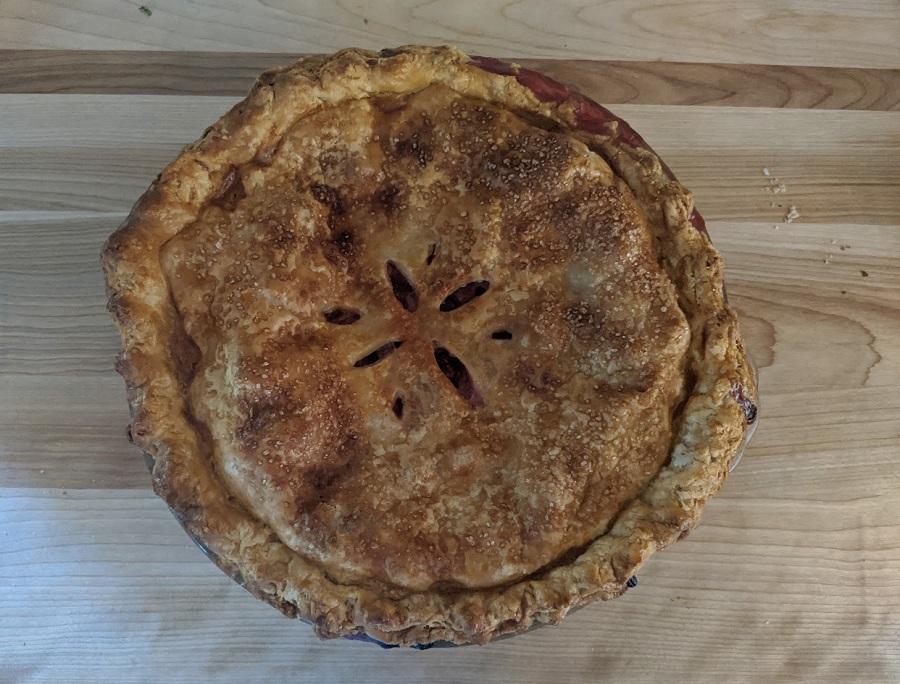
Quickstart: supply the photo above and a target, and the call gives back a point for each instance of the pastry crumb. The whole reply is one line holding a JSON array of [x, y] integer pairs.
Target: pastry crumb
[[765, 171], [775, 185], [791, 214]]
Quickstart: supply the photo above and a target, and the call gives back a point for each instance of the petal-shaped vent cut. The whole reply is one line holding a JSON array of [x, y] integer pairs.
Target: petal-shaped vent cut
[[465, 294], [458, 375], [403, 289], [379, 354]]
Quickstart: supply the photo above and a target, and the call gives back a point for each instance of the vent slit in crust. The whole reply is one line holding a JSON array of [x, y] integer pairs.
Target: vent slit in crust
[[403, 289], [465, 294], [458, 375], [341, 316], [397, 406], [378, 354]]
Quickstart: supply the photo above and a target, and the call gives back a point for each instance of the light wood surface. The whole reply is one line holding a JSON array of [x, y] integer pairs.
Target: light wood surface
[[97, 152], [794, 573], [832, 33], [616, 82]]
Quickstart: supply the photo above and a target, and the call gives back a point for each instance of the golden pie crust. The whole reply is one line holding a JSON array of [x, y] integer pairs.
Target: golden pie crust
[[426, 348]]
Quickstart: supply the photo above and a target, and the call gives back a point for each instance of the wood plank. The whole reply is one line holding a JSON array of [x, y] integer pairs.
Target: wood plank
[[233, 73], [99, 153], [766, 587], [792, 32], [807, 293], [107, 121], [823, 335], [52, 302], [60, 401], [67, 431]]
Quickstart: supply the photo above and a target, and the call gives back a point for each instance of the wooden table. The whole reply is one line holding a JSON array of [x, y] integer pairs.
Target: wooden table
[[795, 572]]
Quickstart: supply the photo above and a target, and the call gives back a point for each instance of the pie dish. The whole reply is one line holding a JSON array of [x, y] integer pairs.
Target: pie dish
[[425, 347]]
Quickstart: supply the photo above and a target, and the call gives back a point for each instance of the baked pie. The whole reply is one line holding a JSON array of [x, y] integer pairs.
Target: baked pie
[[425, 347]]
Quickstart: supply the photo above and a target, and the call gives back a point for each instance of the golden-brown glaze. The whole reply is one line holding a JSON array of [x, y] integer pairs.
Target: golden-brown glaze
[[424, 351]]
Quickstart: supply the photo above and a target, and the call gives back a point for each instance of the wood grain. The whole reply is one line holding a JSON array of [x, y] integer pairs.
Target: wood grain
[[233, 73], [791, 32], [99, 153], [745, 596], [794, 573]]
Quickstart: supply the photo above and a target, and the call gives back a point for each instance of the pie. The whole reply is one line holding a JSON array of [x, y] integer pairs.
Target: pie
[[425, 347]]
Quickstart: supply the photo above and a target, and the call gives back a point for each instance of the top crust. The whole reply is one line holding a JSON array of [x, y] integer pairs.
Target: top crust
[[426, 347]]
